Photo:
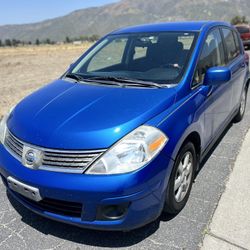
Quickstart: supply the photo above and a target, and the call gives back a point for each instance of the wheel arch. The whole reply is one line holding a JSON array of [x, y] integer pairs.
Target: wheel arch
[[195, 138]]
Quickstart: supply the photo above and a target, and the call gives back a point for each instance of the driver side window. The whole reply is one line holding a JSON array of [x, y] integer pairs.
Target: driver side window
[[212, 55]]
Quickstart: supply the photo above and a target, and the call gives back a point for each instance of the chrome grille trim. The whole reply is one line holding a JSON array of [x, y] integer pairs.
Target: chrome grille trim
[[13, 144], [69, 161]]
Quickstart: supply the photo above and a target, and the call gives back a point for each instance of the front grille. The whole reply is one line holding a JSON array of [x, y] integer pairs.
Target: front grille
[[70, 160], [72, 209], [54, 160], [13, 144]]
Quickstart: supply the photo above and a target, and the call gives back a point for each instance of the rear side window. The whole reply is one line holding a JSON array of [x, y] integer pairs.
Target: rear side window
[[232, 51], [212, 55], [237, 43]]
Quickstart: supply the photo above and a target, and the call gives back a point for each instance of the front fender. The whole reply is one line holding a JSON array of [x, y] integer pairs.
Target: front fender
[[186, 116]]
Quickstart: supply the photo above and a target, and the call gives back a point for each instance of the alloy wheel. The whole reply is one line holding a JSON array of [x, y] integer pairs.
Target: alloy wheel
[[183, 177], [243, 103]]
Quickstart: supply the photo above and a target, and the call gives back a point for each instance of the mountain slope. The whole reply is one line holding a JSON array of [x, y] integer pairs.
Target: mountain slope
[[100, 20]]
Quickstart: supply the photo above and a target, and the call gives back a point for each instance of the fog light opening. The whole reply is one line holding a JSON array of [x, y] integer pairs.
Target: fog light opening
[[113, 212]]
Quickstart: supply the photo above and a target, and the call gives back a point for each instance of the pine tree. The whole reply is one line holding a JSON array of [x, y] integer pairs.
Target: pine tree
[[8, 42], [67, 39]]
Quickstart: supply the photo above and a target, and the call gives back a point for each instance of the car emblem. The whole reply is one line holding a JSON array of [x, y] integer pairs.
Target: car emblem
[[31, 157]]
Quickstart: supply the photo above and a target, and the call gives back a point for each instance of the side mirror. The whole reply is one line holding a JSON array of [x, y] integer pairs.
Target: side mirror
[[217, 75]]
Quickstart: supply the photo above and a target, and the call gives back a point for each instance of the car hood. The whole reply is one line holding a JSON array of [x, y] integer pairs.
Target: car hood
[[68, 115]]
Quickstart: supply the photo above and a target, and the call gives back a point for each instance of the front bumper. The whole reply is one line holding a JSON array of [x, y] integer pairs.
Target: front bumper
[[142, 190]]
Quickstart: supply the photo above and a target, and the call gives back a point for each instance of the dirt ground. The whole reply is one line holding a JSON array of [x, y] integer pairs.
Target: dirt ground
[[25, 69]]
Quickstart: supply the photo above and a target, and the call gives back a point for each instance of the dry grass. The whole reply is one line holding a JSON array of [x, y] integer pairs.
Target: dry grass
[[25, 69]]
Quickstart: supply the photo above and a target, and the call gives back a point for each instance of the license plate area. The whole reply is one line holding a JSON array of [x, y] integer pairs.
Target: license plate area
[[24, 189]]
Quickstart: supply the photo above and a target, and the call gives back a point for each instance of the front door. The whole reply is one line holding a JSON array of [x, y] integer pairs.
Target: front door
[[218, 98]]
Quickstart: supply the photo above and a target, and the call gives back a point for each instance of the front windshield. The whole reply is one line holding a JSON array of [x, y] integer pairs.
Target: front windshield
[[156, 57]]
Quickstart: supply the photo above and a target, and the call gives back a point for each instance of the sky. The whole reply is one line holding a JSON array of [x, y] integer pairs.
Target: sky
[[29, 11]]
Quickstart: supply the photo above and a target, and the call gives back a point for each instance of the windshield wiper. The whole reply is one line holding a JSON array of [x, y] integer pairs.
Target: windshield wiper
[[128, 81], [106, 80], [80, 79], [112, 80], [74, 76]]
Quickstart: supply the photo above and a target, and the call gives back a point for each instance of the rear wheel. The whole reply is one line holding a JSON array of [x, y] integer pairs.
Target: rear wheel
[[181, 179], [242, 107]]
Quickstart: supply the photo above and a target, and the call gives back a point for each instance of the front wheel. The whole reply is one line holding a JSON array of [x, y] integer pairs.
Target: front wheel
[[239, 116], [181, 179]]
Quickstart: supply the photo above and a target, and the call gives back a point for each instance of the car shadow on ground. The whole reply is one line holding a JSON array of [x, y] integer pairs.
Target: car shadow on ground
[[97, 238], [111, 239], [210, 152]]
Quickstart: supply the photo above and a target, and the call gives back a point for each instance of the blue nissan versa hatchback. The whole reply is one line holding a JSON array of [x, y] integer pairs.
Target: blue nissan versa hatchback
[[118, 138]]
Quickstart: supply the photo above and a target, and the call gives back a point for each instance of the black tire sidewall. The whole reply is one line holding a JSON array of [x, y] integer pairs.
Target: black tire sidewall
[[240, 116], [171, 205]]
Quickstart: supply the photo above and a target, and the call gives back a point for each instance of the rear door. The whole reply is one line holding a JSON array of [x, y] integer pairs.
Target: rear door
[[236, 62]]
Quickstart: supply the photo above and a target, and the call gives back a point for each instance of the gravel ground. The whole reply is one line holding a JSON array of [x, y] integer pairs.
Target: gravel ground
[[22, 229]]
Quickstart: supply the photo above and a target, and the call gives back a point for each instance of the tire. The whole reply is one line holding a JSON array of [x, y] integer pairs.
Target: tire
[[176, 199], [239, 116]]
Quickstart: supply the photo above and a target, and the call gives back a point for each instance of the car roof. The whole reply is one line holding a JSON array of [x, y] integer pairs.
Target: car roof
[[171, 26]]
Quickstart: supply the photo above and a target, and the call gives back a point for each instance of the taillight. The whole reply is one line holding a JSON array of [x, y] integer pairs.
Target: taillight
[[245, 36]]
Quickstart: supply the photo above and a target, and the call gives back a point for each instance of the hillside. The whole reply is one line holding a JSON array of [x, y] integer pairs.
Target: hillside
[[100, 20]]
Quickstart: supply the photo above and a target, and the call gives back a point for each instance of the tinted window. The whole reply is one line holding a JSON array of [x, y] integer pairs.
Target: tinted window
[[212, 55], [237, 43], [232, 51], [242, 29], [140, 52]]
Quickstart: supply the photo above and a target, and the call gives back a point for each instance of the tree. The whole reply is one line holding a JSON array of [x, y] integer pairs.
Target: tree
[[8, 42], [244, 19], [14, 42], [93, 38], [67, 40], [37, 41], [239, 20], [48, 41], [1, 44]]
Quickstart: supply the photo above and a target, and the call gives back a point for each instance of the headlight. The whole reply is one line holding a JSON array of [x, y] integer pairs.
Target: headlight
[[3, 126], [131, 152]]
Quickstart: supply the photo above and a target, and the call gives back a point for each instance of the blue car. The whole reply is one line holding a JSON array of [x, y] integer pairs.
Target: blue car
[[118, 139]]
